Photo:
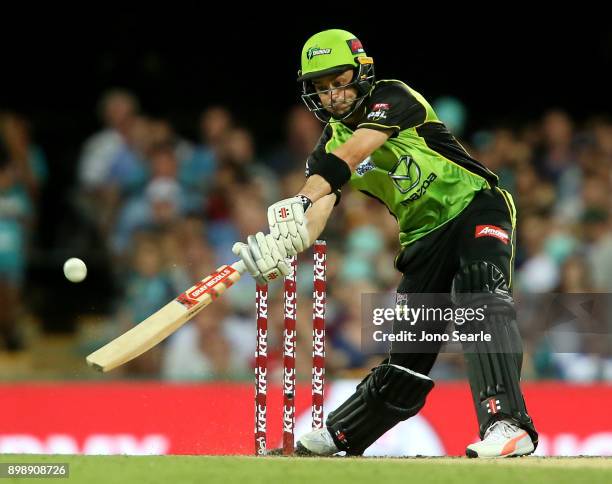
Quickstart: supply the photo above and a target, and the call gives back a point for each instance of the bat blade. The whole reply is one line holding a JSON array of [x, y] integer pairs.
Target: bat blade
[[165, 321]]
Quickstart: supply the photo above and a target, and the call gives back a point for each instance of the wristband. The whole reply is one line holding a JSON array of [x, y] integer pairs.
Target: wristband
[[306, 202], [334, 170]]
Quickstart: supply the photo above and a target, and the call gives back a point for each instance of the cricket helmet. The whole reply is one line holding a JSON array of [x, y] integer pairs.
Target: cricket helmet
[[333, 52]]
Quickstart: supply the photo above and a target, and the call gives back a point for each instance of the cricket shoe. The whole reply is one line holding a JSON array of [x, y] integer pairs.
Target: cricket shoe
[[502, 439], [318, 442]]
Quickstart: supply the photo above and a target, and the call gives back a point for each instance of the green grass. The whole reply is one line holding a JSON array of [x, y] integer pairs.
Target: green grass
[[271, 470]]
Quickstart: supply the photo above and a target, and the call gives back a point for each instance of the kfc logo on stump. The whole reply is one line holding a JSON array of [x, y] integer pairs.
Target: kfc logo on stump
[[491, 231]]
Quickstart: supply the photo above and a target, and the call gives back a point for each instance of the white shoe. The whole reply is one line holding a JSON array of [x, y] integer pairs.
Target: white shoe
[[502, 439], [317, 442]]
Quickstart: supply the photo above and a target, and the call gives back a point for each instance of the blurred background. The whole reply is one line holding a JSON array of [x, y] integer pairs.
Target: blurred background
[[148, 148]]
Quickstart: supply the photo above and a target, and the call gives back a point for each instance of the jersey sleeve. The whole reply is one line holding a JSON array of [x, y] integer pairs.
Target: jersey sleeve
[[318, 153], [392, 106]]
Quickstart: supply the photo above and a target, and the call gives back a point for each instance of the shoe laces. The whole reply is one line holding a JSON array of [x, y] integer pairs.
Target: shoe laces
[[503, 428], [327, 436]]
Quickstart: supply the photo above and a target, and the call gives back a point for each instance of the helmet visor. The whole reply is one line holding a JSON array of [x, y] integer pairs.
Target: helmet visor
[[341, 106]]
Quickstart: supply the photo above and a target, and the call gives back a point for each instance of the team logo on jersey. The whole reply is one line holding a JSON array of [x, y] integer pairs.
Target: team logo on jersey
[[379, 111], [405, 174], [491, 231], [315, 51], [365, 166], [355, 46]]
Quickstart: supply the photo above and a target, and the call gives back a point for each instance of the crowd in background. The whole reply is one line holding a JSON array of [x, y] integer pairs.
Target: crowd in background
[[169, 209], [23, 171]]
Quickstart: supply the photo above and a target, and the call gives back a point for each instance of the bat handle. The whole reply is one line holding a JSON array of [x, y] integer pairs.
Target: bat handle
[[239, 266]]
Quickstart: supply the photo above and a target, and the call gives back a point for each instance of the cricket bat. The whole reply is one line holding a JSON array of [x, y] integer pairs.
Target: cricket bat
[[167, 320]]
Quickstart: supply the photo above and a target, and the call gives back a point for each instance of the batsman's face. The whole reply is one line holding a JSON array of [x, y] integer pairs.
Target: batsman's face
[[335, 93]]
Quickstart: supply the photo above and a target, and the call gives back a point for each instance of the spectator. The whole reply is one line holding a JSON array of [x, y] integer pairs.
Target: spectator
[[575, 276], [534, 195], [15, 214], [538, 273], [557, 152], [215, 123], [302, 133], [197, 170], [28, 160], [160, 207], [598, 236], [129, 170], [117, 109], [237, 151], [213, 345]]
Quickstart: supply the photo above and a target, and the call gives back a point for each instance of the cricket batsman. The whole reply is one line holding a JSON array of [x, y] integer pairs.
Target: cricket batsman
[[456, 229]]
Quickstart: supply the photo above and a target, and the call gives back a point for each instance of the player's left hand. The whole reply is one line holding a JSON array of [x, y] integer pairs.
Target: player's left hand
[[262, 258], [288, 224]]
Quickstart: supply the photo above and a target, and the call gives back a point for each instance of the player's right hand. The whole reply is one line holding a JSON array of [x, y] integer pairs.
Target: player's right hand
[[262, 258]]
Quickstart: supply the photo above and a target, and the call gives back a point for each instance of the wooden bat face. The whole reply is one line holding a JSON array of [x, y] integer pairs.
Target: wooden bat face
[[166, 321]]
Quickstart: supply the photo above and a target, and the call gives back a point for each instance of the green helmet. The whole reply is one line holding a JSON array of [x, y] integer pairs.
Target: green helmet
[[333, 52]]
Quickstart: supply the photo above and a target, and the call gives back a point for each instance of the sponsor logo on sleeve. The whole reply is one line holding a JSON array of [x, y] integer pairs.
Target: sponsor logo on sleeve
[[365, 166], [491, 231], [381, 106], [379, 111]]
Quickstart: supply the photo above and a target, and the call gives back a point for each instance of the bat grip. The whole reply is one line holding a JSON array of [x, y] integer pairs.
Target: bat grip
[[239, 266]]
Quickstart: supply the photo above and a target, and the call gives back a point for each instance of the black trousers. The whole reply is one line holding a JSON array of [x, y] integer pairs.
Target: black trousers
[[430, 264]]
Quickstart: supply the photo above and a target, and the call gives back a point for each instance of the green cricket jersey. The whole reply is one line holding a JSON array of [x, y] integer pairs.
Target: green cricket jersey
[[421, 173]]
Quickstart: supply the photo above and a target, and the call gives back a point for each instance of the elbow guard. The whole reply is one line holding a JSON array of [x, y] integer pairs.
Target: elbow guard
[[335, 171]]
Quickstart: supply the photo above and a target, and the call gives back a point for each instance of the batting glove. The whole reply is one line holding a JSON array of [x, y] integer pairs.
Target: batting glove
[[288, 224], [262, 258]]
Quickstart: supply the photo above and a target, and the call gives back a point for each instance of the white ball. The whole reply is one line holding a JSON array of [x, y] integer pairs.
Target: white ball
[[75, 269]]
